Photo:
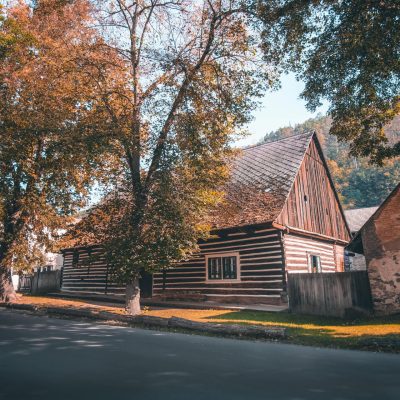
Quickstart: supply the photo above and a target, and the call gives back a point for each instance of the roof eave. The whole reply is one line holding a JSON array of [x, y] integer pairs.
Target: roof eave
[[356, 244]]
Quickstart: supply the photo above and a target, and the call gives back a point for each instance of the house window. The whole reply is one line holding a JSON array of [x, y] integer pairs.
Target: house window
[[315, 263], [222, 267]]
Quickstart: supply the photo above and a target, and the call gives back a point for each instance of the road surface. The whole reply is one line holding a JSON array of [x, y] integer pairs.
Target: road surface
[[47, 358]]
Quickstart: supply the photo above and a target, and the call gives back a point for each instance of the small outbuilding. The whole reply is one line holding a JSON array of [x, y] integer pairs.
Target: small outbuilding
[[379, 241], [356, 218]]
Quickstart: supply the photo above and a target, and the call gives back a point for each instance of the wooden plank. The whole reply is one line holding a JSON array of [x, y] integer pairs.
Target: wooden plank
[[329, 294], [321, 213], [260, 259], [298, 248]]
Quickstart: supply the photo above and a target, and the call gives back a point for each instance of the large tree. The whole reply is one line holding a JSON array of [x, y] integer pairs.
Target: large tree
[[191, 73], [50, 126], [348, 52]]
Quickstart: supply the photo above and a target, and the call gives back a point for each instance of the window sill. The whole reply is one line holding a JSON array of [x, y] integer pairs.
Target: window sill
[[237, 280]]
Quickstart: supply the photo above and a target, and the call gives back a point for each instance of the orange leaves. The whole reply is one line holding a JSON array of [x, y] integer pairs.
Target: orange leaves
[[53, 132]]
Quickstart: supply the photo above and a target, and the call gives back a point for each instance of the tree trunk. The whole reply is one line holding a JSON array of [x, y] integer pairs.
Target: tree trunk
[[7, 292], [132, 305]]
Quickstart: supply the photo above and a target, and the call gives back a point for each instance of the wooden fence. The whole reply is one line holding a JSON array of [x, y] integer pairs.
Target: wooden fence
[[40, 282], [333, 294]]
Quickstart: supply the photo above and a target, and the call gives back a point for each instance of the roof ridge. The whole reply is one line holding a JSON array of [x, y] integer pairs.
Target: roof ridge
[[277, 140]]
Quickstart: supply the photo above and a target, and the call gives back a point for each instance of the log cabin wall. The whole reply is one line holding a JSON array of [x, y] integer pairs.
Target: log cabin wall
[[298, 250], [261, 271], [85, 270], [312, 204]]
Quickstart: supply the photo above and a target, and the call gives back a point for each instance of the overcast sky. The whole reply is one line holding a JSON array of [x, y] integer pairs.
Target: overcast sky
[[280, 108]]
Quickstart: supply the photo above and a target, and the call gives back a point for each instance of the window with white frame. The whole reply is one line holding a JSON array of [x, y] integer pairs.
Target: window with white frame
[[314, 263], [223, 267]]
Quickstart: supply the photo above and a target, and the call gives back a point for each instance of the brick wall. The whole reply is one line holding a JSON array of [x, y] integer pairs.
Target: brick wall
[[381, 242]]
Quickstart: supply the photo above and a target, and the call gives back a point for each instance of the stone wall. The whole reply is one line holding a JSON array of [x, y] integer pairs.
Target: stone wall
[[381, 243], [384, 277]]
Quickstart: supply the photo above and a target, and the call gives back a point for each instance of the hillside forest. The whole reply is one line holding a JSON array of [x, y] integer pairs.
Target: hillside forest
[[358, 182]]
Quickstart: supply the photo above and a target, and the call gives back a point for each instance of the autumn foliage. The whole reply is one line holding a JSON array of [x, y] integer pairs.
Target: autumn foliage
[[52, 130]]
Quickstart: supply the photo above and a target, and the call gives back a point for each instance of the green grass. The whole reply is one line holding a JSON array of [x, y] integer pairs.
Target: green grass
[[367, 333], [374, 333]]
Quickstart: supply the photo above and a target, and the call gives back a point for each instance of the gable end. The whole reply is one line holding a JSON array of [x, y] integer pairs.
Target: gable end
[[312, 204]]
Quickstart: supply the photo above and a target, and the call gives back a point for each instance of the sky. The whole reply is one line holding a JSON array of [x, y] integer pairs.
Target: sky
[[280, 108]]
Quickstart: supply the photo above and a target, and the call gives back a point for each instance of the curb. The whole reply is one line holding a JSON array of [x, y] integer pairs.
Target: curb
[[226, 330]]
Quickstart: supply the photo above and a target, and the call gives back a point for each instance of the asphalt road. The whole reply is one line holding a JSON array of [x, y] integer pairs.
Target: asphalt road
[[45, 358]]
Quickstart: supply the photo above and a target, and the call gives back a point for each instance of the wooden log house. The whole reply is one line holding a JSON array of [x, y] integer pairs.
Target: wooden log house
[[281, 215]]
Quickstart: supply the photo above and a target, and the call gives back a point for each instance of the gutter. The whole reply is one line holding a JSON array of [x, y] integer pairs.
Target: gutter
[[290, 229]]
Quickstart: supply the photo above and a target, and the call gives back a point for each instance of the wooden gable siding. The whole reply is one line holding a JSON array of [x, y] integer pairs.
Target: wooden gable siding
[[298, 249], [88, 277], [261, 270], [312, 204]]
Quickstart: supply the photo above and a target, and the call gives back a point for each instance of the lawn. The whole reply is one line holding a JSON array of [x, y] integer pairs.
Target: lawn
[[373, 333]]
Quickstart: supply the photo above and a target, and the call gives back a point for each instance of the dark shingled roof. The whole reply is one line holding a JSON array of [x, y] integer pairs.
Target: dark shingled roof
[[273, 162], [260, 182], [262, 176], [357, 217]]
